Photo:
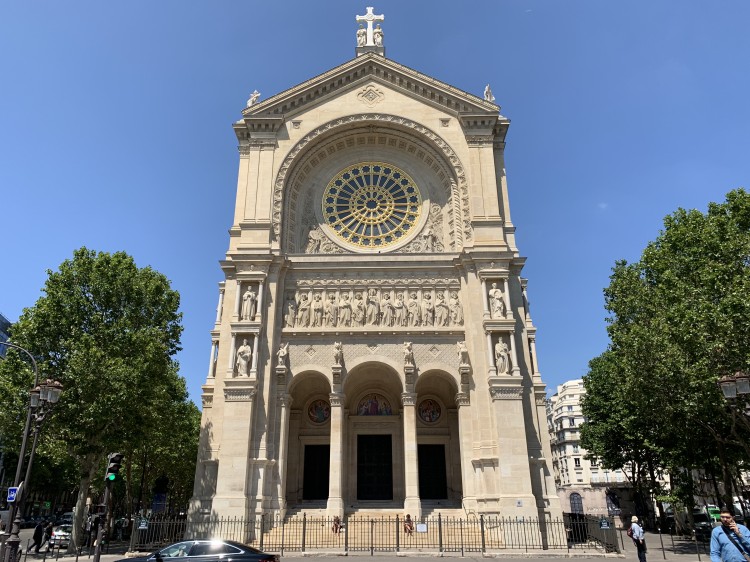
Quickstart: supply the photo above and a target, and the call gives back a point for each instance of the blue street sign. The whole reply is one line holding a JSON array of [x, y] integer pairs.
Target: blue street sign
[[12, 493]]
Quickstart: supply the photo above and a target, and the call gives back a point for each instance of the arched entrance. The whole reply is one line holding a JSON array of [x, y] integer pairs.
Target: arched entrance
[[374, 441]]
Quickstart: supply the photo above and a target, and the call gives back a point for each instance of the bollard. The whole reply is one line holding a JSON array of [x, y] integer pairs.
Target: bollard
[[661, 540], [695, 540]]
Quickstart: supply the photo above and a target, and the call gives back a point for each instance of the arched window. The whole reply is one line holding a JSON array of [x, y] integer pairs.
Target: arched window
[[576, 503]]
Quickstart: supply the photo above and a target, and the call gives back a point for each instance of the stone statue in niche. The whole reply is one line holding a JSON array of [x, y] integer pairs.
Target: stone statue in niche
[[281, 354], [463, 353], [361, 36], [338, 353], [408, 354], [441, 310], [330, 311], [456, 310], [373, 307], [358, 310], [303, 312], [290, 311], [413, 310], [242, 361], [345, 310], [316, 318], [249, 303], [428, 310], [387, 310], [497, 302], [399, 310], [502, 358]]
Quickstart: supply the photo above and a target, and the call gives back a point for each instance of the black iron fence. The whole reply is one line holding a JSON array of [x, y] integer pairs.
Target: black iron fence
[[304, 533]]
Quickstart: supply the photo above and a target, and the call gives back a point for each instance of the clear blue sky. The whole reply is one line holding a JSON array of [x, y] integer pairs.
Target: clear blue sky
[[115, 131]]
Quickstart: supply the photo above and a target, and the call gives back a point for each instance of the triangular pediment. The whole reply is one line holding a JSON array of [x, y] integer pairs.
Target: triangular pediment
[[269, 114]]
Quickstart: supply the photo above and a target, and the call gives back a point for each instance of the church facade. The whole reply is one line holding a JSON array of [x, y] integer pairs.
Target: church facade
[[373, 347]]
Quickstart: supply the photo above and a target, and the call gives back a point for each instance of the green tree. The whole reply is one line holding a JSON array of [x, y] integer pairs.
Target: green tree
[[679, 318], [108, 330]]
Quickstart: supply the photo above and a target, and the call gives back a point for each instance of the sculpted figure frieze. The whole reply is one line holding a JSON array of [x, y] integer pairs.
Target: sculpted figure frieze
[[497, 302], [242, 359], [502, 358], [322, 306], [249, 304]]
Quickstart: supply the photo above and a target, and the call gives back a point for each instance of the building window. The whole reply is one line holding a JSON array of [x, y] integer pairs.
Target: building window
[[594, 464], [575, 448], [577, 462], [576, 503], [572, 422], [570, 408]]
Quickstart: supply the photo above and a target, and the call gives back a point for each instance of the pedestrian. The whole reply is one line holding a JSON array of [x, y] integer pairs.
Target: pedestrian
[[336, 528], [408, 525], [730, 541], [48, 535], [636, 533], [38, 537]]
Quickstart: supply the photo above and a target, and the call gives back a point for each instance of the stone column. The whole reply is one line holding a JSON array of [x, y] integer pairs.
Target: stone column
[[506, 297], [336, 476], [485, 299], [220, 306], [285, 404], [516, 370], [492, 370], [212, 361], [254, 361], [232, 486], [238, 300], [232, 352], [412, 503], [465, 439], [259, 302], [532, 352]]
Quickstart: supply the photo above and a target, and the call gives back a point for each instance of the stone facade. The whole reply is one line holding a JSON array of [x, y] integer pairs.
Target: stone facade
[[371, 224]]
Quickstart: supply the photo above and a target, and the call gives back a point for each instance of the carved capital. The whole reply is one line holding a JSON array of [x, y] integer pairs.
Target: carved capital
[[285, 400], [256, 144], [337, 399], [207, 400], [462, 399], [480, 140], [409, 398]]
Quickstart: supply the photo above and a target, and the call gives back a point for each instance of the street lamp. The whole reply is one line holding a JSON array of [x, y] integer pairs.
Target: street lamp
[[732, 385], [42, 399]]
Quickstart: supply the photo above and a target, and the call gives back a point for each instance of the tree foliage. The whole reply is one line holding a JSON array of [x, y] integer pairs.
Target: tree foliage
[[108, 331], [679, 319]]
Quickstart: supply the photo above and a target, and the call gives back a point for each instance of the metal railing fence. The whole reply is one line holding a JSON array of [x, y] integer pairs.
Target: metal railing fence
[[303, 533]]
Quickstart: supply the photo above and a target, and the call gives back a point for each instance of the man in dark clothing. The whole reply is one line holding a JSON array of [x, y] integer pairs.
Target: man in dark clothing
[[38, 536]]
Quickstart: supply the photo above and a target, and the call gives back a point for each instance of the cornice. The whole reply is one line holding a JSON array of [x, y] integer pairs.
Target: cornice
[[370, 65]]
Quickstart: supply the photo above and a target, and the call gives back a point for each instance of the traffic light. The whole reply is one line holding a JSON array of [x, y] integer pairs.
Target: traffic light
[[113, 466]]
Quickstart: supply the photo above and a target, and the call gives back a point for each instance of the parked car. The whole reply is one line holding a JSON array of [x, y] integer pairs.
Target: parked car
[[61, 536], [209, 551], [703, 526]]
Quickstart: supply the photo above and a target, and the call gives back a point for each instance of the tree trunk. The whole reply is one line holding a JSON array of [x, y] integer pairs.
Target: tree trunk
[[89, 470]]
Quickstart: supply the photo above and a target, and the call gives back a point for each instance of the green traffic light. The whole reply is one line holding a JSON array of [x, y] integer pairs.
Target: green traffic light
[[111, 477]]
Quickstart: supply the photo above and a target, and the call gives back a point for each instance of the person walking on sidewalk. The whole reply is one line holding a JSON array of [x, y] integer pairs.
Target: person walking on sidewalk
[[639, 538], [730, 541], [38, 536]]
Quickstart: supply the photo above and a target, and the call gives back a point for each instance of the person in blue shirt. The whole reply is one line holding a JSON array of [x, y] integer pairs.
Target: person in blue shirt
[[730, 542], [639, 538]]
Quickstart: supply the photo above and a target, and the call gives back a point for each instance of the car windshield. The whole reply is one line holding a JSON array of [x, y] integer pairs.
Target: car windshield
[[700, 518], [64, 529]]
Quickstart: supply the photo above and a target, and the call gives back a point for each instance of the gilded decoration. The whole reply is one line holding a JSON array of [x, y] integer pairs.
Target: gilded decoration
[[319, 411], [429, 411], [372, 205], [374, 405]]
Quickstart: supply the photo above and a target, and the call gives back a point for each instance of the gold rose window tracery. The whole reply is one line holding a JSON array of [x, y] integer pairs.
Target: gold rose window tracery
[[372, 205]]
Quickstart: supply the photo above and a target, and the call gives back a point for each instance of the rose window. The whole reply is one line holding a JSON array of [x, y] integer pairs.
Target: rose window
[[372, 205]]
